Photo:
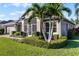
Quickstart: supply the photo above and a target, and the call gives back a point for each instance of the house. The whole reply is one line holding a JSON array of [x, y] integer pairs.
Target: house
[[59, 27], [77, 26], [9, 27], [22, 25], [1, 26]]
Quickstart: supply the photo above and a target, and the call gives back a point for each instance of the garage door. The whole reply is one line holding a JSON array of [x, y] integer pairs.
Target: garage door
[[10, 29]]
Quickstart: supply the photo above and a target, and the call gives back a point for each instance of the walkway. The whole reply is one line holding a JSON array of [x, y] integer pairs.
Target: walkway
[[13, 38]]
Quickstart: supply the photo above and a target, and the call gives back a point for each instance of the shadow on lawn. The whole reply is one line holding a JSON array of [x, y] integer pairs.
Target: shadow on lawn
[[73, 44]]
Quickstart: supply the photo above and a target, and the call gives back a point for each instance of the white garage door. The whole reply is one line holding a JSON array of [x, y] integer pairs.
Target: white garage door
[[10, 29]]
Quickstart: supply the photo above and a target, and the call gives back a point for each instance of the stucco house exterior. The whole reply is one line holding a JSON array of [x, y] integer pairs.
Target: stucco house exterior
[[9, 27], [59, 27], [1, 26]]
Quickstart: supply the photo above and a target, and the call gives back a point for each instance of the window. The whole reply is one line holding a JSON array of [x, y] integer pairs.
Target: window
[[54, 27], [33, 28], [47, 27], [30, 30], [66, 26]]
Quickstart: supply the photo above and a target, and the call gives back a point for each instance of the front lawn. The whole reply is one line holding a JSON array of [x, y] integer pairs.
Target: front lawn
[[12, 48]]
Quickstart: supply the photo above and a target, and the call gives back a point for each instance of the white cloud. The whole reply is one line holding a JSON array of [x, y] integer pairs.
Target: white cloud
[[12, 14], [27, 5], [16, 13], [16, 4], [22, 4], [4, 19], [2, 15], [20, 12], [1, 19]]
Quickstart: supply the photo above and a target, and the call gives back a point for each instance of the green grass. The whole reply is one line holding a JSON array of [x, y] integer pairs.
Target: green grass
[[12, 48]]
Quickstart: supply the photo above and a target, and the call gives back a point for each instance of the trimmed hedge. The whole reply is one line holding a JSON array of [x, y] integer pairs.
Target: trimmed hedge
[[1, 31], [71, 33], [35, 41], [55, 36], [15, 33], [58, 43]]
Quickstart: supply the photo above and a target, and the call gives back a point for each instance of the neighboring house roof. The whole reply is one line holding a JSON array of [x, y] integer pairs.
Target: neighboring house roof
[[4, 22], [9, 24]]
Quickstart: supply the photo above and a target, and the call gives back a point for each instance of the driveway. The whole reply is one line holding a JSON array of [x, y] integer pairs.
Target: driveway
[[8, 36]]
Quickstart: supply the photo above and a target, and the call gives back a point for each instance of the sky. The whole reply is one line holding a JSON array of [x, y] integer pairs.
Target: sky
[[12, 11], [71, 6]]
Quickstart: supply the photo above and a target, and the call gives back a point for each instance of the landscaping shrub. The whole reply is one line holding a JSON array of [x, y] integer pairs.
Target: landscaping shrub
[[71, 33], [23, 34], [55, 36], [58, 43], [63, 37], [13, 32], [1, 31], [37, 33], [17, 33], [35, 41]]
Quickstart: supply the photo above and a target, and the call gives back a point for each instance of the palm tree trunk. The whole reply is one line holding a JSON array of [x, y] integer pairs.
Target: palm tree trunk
[[42, 28], [43, 32], [50, 31]]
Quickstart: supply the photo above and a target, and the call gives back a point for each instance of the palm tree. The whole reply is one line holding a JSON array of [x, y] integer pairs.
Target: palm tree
[[37, 11], [77, 12], [54, 11], [48, 10]]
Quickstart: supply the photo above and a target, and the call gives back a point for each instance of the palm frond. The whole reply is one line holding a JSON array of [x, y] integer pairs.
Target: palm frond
[[67, 10], [30, 18], [77, 11], [28, 10], [76, 5], [36, 6]]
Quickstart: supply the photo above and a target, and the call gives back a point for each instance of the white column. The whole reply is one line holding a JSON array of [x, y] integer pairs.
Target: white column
[[59, 28], [22, 25], [38, 24]]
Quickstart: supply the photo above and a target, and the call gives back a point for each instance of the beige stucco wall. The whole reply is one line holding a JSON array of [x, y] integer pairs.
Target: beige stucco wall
[[10, 29]]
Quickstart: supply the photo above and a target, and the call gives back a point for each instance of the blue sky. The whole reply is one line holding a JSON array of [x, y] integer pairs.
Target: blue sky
[[12, 11], [71, 6]]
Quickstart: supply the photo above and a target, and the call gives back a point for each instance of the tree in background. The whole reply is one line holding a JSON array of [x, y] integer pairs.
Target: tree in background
[[77, 13]]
